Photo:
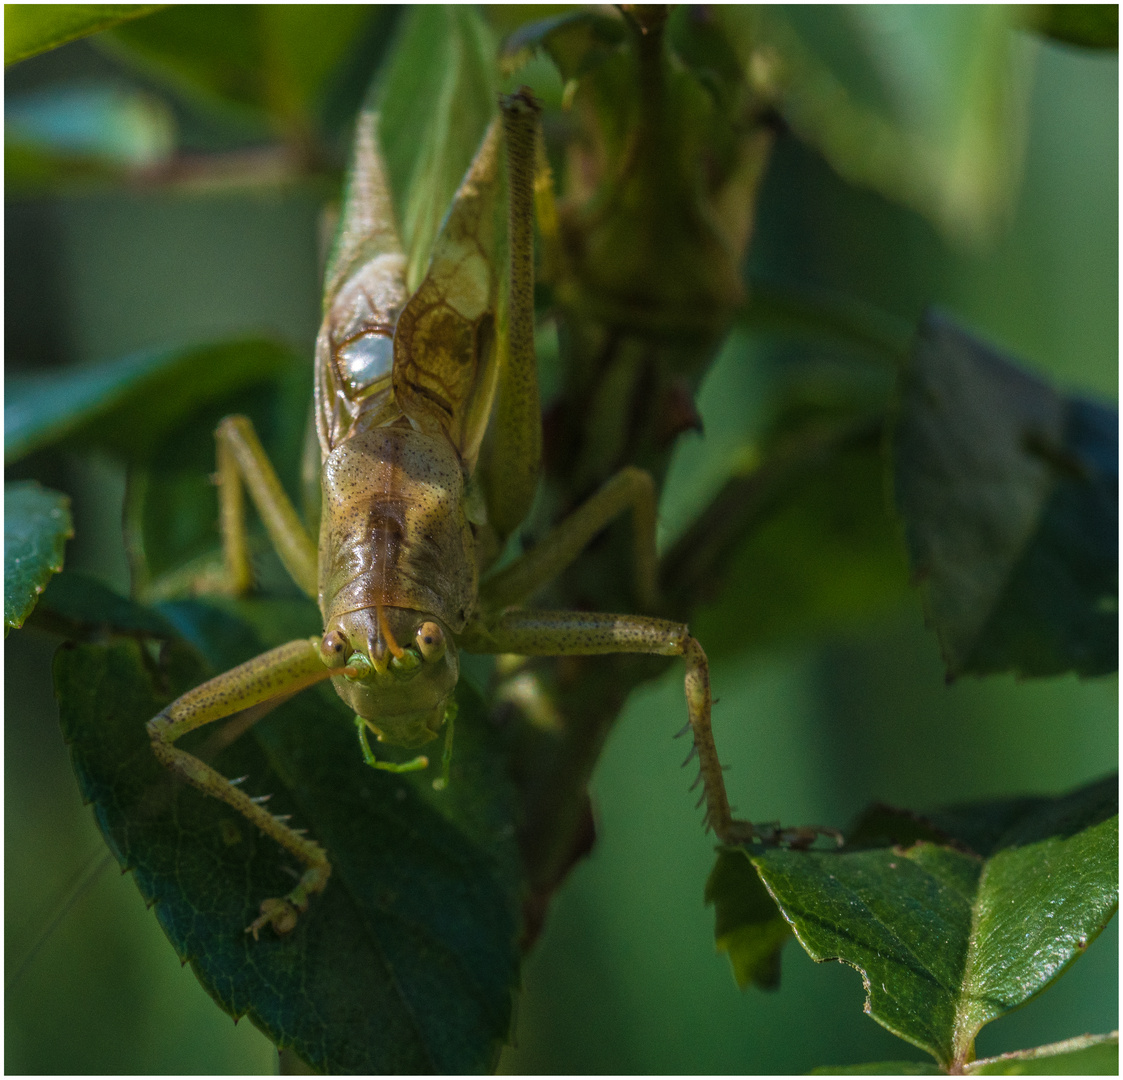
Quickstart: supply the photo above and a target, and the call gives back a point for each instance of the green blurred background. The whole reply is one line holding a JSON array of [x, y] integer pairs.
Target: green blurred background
[[625, 978]]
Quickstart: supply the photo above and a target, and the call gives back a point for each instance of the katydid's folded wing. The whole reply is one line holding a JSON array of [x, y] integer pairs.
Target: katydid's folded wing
[[445, 345], [364, 293]]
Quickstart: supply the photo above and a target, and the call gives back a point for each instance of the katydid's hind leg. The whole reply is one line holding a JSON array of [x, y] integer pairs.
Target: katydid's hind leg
[[244, 465], [514, 453], [630, 489], [280, 672], [578, 633]]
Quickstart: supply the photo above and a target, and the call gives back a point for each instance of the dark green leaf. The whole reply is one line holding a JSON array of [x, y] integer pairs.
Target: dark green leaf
[[838, 320], [1086, 1055], [922, 103], [747, 924], [36, 527], [435, 98], [1009, 497], [127, 405], [408, 961], [271, 58], [80, 607], [948, 937], [825, 557], [1095, 26], [34, 28], [172, 502]]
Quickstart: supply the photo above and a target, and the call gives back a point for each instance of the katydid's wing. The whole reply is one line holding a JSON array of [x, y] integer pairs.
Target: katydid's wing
[[445, 363], [364, 293]]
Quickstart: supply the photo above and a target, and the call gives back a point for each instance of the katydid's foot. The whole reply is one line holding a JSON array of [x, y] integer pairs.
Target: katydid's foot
[[772, 834], [281, 913]]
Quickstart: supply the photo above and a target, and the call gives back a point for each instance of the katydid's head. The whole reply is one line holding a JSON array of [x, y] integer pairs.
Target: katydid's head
[[402, 668]]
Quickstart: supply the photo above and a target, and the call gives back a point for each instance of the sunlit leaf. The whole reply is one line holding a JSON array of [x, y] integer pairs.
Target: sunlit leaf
[[435, 99], [924, 103], [1009, 494], [273, 59], [949, 936], [36, 527], [407, 962], [127, 405], [34, 28]]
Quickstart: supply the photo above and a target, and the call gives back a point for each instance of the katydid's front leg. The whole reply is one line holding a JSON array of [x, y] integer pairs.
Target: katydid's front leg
[[272, 676], [580, 633], [242, 462]]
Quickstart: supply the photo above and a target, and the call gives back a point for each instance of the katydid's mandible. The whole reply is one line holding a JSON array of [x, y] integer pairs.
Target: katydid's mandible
[[406, 385]]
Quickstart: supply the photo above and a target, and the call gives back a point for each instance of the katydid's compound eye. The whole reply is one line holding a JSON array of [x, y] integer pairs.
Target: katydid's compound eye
[[334, 649], [431, 641]]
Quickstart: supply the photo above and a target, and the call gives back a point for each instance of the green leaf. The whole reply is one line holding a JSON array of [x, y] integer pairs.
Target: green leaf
[[36, 527], [1008, 492], [1095, 26], [435, 98], [1086, 1055], [949, 936], [748, 927], [79, 607], [34, 28], [408, 961], [268, 58], [127, 405], [172, 502], [799, 541], [924, 104], [825, 557]]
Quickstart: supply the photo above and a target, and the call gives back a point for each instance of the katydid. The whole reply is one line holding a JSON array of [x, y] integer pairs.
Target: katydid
[[406, 387]]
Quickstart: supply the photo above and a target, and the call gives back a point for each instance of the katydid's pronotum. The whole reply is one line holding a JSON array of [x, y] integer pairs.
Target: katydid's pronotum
[[406, 388]]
